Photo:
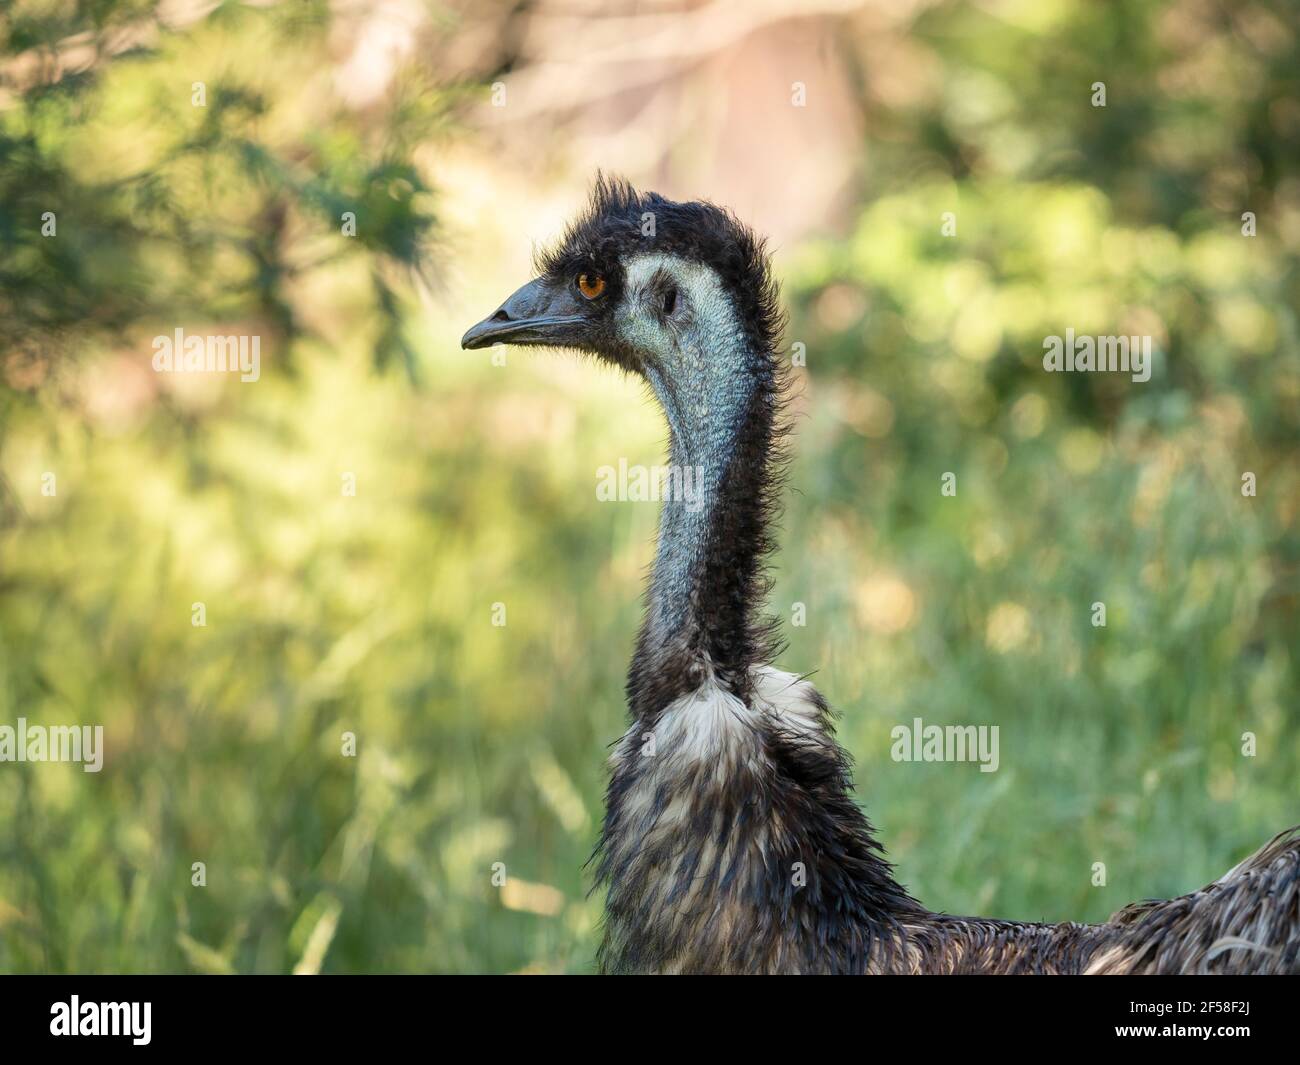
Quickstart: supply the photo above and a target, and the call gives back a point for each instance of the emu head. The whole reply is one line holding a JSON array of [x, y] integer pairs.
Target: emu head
[[678, 293]]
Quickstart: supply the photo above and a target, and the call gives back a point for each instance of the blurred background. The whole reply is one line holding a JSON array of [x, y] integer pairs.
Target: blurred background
[[462, 135]]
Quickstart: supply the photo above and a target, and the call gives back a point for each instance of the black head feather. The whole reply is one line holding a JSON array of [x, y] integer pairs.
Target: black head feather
[[621, 222]]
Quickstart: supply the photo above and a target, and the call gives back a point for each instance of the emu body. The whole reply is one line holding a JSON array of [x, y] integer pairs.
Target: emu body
[[731, 840]]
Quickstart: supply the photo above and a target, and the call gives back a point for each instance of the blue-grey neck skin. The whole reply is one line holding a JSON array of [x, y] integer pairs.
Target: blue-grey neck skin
[[700, 372], [701, 437]]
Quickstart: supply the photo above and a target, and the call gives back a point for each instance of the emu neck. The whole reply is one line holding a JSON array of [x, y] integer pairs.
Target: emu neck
[[706, 581], [731, 840]]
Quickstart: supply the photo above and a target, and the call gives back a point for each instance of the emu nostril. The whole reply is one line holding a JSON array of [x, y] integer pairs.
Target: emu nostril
[[500, 316]]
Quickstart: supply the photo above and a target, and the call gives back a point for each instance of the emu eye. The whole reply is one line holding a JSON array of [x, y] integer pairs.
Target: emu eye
[[591, 285], [670, 300]]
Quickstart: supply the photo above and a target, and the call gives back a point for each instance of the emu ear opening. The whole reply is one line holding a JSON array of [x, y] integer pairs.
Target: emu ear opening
[[539, 313]]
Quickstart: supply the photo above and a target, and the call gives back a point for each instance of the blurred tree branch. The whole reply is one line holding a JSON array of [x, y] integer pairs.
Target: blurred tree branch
[[230, 195]]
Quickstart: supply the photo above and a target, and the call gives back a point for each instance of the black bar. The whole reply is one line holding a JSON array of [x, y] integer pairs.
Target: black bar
[[360, 1014]]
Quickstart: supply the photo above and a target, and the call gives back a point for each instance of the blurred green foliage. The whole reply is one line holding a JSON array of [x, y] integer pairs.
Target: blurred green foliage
[[203, 176], [372, 614]]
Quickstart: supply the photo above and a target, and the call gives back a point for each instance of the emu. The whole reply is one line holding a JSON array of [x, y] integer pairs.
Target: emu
[[731, 841]]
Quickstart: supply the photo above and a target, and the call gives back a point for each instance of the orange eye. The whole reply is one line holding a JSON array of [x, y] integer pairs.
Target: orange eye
[[591, 285]]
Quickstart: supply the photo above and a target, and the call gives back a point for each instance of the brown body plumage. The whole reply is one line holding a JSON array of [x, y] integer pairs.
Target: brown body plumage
[[731, 840], [1243, 923]]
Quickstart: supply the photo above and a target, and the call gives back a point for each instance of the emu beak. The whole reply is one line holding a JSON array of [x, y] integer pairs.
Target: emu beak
[[539, 313]]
